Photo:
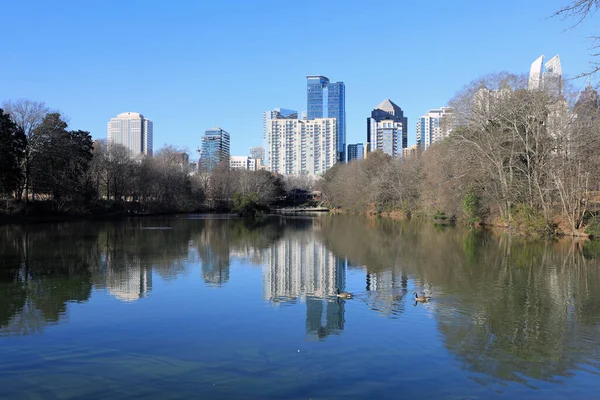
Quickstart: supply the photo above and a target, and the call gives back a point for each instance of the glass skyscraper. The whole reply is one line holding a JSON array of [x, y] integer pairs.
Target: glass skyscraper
[[214, 149], [328, 100], [548, 78], [356, 151]]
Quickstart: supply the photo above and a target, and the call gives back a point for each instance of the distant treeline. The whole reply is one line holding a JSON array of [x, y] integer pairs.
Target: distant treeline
[[528, 159], [45, 168]]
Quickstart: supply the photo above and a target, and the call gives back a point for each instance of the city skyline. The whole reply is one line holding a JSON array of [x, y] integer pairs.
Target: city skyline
[[180, 83]]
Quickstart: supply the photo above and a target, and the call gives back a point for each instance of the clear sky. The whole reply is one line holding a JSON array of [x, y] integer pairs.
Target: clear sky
[[192, 65]]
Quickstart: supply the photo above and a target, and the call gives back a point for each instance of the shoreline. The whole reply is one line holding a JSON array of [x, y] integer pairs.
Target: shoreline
[[59, 217]]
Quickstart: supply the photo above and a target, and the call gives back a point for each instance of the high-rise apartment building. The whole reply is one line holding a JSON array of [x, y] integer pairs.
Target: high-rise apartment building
[[387, 129], [325, 99], [548, 78], [277, 113], [133, 131], [214, 148], [356, 151], [434, 126], [299, 147]]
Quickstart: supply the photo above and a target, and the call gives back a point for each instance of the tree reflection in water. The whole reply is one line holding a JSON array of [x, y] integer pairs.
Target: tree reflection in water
[[506, 307]]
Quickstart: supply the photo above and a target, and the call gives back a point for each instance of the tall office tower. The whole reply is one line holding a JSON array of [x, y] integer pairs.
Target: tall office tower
[[548, 78], [328, 100], [434, 126], [387, 129], [277, 113], [214, 149], [587, 102], [302, 147], [258, 153], [133, 131], [356, 151]]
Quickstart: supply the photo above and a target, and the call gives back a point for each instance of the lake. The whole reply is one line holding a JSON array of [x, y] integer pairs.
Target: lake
[[221, 308]]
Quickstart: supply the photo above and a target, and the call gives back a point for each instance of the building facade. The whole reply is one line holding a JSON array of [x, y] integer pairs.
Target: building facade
[[258, 153], [133, 131], [546, 77], [325, 99], [243, 162], [434, 126], [356, 152], [410, 151], [277, 113], [214, 148], [302, 147], [387, 129], [587, 104]]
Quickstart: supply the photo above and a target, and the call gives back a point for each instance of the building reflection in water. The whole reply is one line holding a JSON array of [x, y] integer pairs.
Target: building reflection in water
[[215, 267], [128, 280], [300, 268], [213, 245], [385, 290]]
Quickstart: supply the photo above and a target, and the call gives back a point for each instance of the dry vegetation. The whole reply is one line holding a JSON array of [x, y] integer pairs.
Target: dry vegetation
[[517, 157]]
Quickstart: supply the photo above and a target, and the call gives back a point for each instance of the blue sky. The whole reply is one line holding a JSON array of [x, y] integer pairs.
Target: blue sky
[[191, 65]]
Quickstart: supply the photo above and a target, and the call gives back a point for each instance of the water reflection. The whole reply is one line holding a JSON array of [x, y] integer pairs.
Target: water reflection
[[508, 309], [299, 267], [36, 282], [387, 291]]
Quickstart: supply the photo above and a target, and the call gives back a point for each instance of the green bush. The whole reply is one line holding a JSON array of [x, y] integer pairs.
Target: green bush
[[472, 206], [440, 216], [530, 220], [593, 227], [246, 205]]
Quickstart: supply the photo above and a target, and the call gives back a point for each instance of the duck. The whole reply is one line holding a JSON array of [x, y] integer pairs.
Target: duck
[[344, 295], [421, 298]]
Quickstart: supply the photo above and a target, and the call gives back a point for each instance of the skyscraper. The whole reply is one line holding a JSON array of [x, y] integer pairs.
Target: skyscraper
[[328, 100], [356, 151], [133, 131], [277, 113], [214, 149], [587, 102], [434, 126], [258, 153], [548, 78], [301, 147], [387, 129]]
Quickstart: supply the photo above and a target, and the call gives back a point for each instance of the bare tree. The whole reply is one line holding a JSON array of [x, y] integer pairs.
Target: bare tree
[[28, 115], [578, 11]]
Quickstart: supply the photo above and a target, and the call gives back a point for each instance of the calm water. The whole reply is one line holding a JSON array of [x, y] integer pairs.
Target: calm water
[[188, 307]]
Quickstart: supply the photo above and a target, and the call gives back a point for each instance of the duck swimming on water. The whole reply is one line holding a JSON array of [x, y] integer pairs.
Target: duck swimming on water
[[422, 299], [344, 295]]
